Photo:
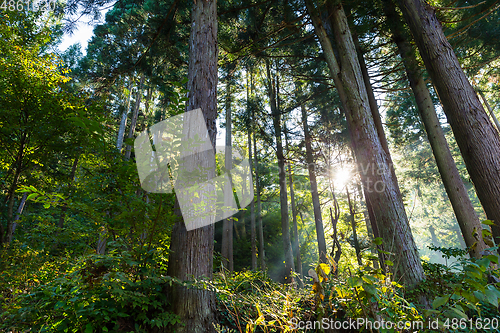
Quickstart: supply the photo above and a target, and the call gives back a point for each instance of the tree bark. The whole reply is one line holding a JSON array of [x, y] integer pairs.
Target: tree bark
[[336, 254], [318, 219], [285, 224], [135, 114], [476, 136], [262, 255], [490, 110], [18, 168], [123, 122], [250, 129], [192, 251], [457, 193], [373, 162], [13, 226], [253, 238], [295, 243], [228, 223]]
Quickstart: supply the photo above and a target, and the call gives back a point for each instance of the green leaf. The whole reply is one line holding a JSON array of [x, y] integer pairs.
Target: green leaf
[[429, 312], [493, 258], [370, 289], [455, 313], [32, 196], [485, 233], [439, 301], [492, 295], [473, 272], [479, 295], [78, 122], [389, 263], [377, 241], [484, 263], [355, 281], [488, 222], [58, 305], [467, 295], [89, 328], [369, 279]]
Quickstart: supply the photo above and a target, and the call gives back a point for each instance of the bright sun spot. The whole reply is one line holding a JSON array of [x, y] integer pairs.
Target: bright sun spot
[[342, 176]]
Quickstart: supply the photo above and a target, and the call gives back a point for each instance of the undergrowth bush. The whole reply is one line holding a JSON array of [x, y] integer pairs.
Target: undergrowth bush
[[125, 291], [98, 293], [464, 298]]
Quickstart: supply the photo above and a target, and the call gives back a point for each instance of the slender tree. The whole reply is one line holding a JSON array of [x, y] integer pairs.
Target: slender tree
[[285, 223], [457, 193], [318, 219], [123, 119], [253, 236], [20, 209], [373, 161], [477, 138], [228, 223], [135, 114], [262, 255], [490, 110], [295, 242]]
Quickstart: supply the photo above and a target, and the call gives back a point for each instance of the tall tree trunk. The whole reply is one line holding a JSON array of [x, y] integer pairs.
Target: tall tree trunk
[[262, 255], [18, 168], [318, 219], [13, 226], [135, 114], [490, 110], [476, 136], [336, 247], [192, 251], [353, 226], [373, 161], [372, 101], [285, 224], [434, 239], [457, 193], [336, 252], [71, 180], [295, 243], [228, 223], [123, 121], [253, 238]]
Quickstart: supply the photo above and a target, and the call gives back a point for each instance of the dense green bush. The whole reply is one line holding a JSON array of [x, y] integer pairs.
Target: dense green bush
[[97, 293]]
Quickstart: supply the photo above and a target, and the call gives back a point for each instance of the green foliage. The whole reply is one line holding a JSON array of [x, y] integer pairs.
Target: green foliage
[[108, 293], [251, 302], [469, 291]]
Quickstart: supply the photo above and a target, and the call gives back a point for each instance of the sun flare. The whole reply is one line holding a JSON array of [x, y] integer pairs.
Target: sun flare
[[341, 178]]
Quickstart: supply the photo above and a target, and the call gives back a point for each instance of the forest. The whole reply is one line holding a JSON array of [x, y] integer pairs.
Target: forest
[[335, 168]]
